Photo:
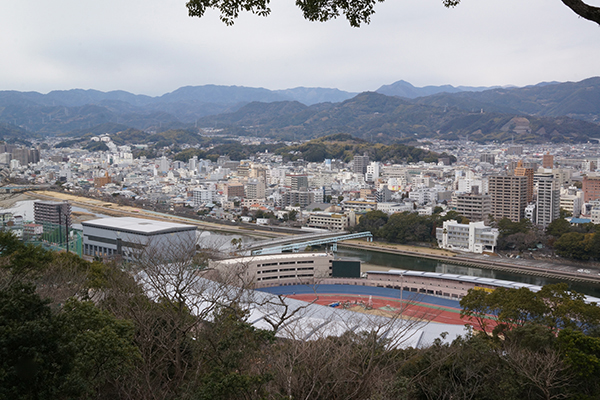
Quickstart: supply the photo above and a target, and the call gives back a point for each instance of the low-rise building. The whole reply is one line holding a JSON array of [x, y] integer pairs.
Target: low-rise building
[[127, 237], [331, 221], [277, 269], [473, 237]]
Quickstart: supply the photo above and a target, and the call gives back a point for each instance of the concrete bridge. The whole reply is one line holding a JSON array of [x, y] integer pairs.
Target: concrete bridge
[[297, 243]]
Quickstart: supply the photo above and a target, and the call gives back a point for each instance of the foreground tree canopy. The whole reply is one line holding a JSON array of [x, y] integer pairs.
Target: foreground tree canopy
[[356, 12]]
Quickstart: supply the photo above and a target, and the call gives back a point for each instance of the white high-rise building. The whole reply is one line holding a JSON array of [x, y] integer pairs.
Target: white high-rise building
[[193, 164], [203, 195], [372, 172], [548, 199]]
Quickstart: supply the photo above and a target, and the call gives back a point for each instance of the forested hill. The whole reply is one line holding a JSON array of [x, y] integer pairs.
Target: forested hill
[[579, 100], [550, 112], [386, 119]]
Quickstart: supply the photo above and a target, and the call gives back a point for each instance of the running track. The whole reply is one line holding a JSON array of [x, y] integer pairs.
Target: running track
[[432, 308]]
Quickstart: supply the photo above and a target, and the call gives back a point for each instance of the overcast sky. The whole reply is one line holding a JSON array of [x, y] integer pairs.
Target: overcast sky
[[152, 47]]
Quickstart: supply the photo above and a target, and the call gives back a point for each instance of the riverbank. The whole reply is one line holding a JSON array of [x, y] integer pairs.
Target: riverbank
[[557, 270], [562, 271]]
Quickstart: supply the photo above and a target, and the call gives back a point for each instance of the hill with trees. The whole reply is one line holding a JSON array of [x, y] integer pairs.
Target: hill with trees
[[72, 328], [550, 112]]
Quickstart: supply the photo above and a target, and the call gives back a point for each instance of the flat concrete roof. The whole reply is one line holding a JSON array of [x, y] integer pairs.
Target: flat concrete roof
[[137, 225]]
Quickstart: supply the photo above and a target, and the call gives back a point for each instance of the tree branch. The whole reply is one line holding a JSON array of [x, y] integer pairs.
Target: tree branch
[[584, 10]]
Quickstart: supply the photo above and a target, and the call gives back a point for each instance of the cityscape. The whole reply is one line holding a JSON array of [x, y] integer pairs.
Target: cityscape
[[310, 200]]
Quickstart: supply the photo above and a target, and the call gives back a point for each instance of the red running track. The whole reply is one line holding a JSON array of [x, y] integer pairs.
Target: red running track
[[429, 312]]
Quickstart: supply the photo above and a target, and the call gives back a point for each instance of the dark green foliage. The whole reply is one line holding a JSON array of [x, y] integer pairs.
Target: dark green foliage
[[554, 307], [72, 354], [372, 222], [508, 227], [581, 246], [232, 352], [235, 151], [408, 227], [30, 349], [558, 227], [22, 261], [96, 146]]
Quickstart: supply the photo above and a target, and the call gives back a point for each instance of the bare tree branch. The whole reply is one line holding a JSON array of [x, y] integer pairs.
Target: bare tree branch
[[584, 10]]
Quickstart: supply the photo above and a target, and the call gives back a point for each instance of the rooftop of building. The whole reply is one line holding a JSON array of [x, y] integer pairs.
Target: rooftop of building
[[137, 225]]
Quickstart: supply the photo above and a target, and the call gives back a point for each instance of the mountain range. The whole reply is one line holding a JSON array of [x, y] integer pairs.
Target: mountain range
[[398, 112]]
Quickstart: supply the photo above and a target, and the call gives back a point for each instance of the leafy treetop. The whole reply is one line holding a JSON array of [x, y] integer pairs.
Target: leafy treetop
[[357, 12]]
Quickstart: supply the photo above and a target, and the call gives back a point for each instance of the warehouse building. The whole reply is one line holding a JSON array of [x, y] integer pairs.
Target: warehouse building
[[126, 237]]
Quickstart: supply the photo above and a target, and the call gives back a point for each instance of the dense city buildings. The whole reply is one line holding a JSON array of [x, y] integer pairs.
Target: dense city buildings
[[490, 179]]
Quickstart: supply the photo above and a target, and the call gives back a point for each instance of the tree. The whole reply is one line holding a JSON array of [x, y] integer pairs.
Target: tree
[[372, 221], [357, 12], [558, 227]]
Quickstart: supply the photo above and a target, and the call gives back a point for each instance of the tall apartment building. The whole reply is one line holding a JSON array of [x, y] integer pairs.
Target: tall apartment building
[[293, 197], [548, 199], [360, 164], [509, 196], [255, 188], [520, 170], [547, 161], [474, 206], [372, 172], [21, 155], [232, 190], [488, 158], [298, 182], [55, 212], [591, 188], [203, 195], [514, 151]]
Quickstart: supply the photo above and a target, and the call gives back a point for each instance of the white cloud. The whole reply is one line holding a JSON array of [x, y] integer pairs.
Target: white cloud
[[153, 47]]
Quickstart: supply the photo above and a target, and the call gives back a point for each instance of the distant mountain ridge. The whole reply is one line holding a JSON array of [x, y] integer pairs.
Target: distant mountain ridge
[[407, 90], [551, 109]]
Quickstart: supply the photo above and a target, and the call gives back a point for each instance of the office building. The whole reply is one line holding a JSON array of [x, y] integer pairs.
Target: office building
[[298, 182], [276, 269], [297, 198], [330, 221], [547, 161], [488, 158]]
